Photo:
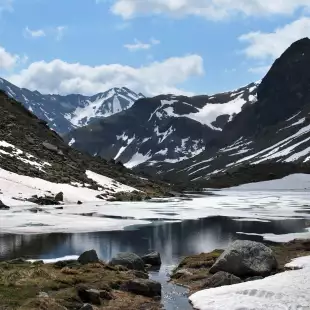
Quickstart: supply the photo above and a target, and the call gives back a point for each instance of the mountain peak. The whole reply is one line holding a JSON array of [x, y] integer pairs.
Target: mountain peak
[[64, 113]]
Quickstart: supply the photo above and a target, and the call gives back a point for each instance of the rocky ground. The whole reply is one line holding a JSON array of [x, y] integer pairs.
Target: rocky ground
[[86, 284], [209, 270], [38, 151]]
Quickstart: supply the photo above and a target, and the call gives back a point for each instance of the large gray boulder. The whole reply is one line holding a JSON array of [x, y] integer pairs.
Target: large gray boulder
[[142, 287], [246, 258], [221, 278], [152, 259], [88, 257], [128, 260]]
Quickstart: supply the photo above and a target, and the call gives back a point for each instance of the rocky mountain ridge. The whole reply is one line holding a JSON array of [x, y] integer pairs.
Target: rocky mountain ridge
[[268, 139], [33, 157], [64, 113], [166, 128]]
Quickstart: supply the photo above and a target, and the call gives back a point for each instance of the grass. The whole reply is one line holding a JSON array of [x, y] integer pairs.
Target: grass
[[20, 285]]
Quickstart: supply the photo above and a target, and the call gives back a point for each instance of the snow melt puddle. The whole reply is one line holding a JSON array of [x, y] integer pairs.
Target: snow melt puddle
[[260, 206]]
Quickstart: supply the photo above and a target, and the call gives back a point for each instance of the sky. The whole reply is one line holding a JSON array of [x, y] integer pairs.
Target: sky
[[151, 46]]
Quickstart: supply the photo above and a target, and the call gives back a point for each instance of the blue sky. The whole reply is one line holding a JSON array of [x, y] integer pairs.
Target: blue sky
[[152, 46]]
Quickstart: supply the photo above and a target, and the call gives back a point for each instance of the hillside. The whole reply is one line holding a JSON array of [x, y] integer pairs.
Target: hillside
[[35, 158], [165, 128], [64, 113]]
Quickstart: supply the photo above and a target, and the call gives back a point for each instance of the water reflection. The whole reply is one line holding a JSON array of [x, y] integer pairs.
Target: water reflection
[[173, 240]]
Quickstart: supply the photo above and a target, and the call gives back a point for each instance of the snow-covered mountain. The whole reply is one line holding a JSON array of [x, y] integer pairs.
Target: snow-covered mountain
[[64, 113], [268, 139], [35, 162], [165, 128], [225, 136]]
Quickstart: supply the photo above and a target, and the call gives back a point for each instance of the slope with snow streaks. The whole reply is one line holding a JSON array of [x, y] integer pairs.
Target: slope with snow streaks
[[64, 113], [182, 126]]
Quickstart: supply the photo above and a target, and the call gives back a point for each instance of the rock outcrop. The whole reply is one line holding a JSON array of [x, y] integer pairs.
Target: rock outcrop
[[245, 259]]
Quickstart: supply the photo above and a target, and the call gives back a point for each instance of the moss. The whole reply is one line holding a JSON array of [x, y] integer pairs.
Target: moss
[[20, 286]]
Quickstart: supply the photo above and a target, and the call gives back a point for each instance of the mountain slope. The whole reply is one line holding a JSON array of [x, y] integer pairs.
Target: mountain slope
[[267, 139], [34, 157], [164, 128], [64, 113]]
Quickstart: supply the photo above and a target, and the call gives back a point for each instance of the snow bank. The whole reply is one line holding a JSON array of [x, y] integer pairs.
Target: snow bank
[[54, 260], [287, 290], [291, 182], [108, 182], [13, 185], [281, 238]]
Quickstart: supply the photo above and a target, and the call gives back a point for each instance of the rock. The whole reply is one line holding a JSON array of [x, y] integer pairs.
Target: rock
[[38, 263], [140, 274], [105, 295], [17, 261], [87, 307], [36, 210], [129, 260], [182, 273], [142, 287], [153, 259], [43, 201], [66, 263], [59, 208], [89, 295], [221, 278], [79, 202], [59, 196], [43, 295], [3, 206], [88, 257], [50, 147], [246, 258]]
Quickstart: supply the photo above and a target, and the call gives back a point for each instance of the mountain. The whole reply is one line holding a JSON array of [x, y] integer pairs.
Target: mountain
[[64, 113], [165, 128], [268, 139], [254, 133], [35, 160]]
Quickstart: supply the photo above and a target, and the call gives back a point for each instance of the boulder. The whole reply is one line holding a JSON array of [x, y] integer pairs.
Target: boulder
[[59, 196], [66, 263], [182, 273], [152, 259], [88, 257], [142, 287], [3, 206], [245, 259], [221, 278], [88, 295], [129, 260]]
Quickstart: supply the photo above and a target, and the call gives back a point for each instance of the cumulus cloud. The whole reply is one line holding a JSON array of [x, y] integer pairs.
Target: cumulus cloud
[[262, 45], [7, 60], [34, 33], [138, 45], [61, 77], [212, 9]]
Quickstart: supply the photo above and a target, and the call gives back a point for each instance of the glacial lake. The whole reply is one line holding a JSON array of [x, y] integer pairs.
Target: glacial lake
[[173, 240]]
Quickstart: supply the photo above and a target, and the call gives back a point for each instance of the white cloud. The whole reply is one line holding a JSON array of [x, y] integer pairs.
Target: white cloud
[[58, 76], [261, 70], [271, 45], [57, 32], [60, 31], [212, 9], [7, 60], [138, 45], [34, 33]]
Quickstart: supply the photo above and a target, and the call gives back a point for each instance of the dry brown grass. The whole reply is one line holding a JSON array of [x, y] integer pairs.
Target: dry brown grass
[[20, 286]]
